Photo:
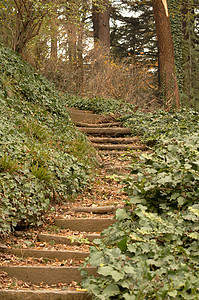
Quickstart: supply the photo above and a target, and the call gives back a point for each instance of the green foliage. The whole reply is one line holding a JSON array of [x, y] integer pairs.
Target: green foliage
[[154, 126], [159, 260], [24, 200], [7, 164], [43, 158], [151, 252], [176, 30], [135, 33], [184, 27], [167, 179], [100, 105]]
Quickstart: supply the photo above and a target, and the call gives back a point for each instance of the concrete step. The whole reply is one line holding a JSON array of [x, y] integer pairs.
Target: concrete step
[[114, 131], [113, 140], [87, 225], [46, 274], [43, 295], [118, 147], [50, 254], [97, 209], [112, 124], [60, 239]]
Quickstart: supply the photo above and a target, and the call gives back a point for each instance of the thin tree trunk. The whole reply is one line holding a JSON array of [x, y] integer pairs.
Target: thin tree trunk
[[187, 10], [80, 64], [72, 41], [54, 38], [168, 79]]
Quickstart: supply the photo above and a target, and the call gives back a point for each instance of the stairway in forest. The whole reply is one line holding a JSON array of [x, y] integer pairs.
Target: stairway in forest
[[109, 138], [105, 132], [52, 263]]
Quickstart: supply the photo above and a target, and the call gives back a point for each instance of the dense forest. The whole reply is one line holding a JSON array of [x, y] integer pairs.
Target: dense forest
[[142, 52]]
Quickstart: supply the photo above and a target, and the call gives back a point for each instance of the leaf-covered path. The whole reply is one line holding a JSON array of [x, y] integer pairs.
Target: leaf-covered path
[[45, 262]]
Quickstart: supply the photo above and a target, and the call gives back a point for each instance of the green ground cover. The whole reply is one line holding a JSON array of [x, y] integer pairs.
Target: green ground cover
[[43, 158], [152, 252]]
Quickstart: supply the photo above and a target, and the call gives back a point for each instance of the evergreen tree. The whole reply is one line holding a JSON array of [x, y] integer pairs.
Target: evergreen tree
[[133, 31]]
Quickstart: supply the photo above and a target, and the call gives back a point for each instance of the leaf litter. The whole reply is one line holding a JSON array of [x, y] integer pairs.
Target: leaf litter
[[106, 190]]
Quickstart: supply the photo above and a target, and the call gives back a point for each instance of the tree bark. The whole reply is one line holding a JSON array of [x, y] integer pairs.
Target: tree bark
[[168, 79], [72, 42], [101, 26], [54, 37], [28, 22]]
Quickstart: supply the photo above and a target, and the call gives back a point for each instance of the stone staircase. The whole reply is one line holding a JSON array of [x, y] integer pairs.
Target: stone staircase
[[57, 267]]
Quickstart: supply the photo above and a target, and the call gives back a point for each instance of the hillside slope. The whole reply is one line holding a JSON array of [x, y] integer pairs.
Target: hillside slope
[[43, 158]]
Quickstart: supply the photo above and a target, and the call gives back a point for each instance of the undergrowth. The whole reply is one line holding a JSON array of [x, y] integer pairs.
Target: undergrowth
[[151, 252], [153, 126], [100, 105], [43, 158]]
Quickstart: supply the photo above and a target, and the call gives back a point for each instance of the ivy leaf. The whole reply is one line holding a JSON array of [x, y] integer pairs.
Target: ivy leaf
[[123, 244], [96, 258], [165, 179], [117, 276], [181, 200], [128, 297], [105, 271], [129, 270], [121, 214], [137, 199], [111, 290], [173, 293]]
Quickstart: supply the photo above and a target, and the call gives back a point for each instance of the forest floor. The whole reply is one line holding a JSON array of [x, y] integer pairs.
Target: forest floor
[[104, 190]]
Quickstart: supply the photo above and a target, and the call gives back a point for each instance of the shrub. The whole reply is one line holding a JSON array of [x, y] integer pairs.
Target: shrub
[[101, 76]]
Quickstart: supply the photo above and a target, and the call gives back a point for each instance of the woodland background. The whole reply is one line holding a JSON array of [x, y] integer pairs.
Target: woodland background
[[107, 48]]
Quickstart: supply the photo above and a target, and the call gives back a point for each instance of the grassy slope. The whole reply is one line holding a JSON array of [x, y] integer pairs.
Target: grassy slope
[[42, 156]]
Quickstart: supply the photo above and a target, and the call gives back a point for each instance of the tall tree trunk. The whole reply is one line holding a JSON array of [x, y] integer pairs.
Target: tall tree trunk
[[101, 24], [80, 63], [54, 38], [72, 42], [168, 79], [188, 19]]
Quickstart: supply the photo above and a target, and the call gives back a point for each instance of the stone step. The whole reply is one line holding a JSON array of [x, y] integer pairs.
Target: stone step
[[43, 295], [87, 225], [60, 239], [89, 125], [115, 131], [112, 140], [50, 254], [97, 209], [46, 274], [118, 147]]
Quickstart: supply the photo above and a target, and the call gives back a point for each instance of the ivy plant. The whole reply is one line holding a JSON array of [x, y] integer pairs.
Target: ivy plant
[[168, 178], [143, 256]]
